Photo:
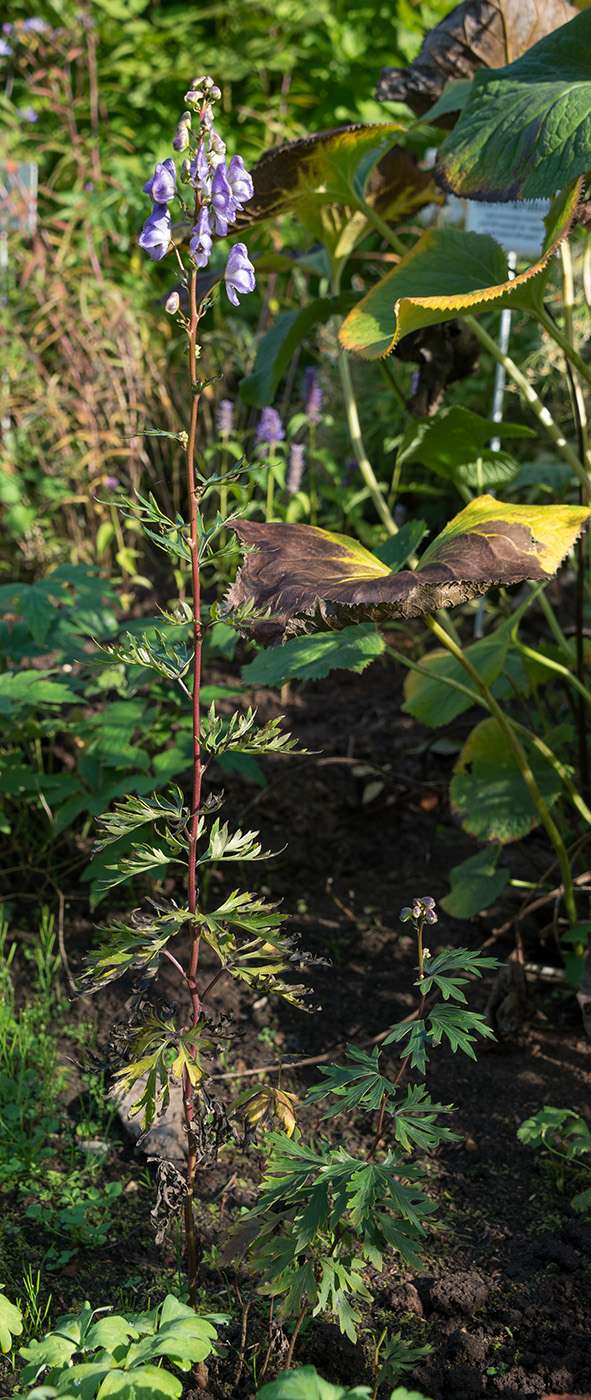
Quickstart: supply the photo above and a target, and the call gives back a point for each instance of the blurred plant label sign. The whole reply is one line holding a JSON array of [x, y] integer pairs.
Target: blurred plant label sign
[[517, 225], [18, 196]]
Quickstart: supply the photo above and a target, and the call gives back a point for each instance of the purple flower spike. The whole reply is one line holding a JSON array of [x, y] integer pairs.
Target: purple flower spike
[[239, 181], [35, 26], [312, 396], [295, 469], [225, 417], [162, 186], [239, 275], [270, 427], [201, 241], [223, 205], [155, 235]]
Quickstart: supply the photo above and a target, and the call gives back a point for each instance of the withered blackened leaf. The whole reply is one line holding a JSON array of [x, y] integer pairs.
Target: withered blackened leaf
[[303, 168], [477, 34], [315, 581], [443, 353]]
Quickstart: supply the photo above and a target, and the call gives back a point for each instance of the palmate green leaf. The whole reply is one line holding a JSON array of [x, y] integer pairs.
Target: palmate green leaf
[[375, 1183], [240, 734], [134, 812], [459, 960], [167, 658], [525, 130], [313, 657], [312, 580], [458, 1026], [487, 790], [142, 859], [143, 1383], [383, 1233], [419, 1039], [26, 690], [243, 910], [360, 1083], [232, 845], [129, 948], [338, 1285], [452, 273], [415, 1120]]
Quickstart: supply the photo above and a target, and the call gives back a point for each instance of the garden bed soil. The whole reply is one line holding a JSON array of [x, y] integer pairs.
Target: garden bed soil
[[503, 1294]]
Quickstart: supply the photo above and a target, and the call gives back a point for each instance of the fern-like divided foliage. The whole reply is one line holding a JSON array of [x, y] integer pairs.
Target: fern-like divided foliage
[[325, 1215]]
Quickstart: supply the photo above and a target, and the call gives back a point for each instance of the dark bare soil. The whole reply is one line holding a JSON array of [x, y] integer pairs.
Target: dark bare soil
[[504, 1293]]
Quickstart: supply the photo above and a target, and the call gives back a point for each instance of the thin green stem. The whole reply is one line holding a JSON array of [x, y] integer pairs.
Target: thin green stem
[[522, 762], [530, 396], [357, 443], [562, 340], [270, 483]]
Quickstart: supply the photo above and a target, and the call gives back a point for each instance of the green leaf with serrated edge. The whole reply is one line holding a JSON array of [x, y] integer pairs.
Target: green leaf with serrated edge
[[525, 130], [419, 1039], [454, 444], [11, 1322], [475, 884], [134, 812], [240, 734], [487, 790], [312, 658], [26, 690], [451, 273], [312, 580], [277, 347], [449, 1021], [416, 1120]]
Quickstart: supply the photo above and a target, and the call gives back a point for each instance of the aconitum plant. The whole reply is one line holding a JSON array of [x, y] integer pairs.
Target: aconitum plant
[[172, 832]]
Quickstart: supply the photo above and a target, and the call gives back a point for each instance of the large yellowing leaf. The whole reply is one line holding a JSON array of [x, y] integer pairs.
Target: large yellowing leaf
[[446, 274], [314, 581], [477, 34], [325, 178]]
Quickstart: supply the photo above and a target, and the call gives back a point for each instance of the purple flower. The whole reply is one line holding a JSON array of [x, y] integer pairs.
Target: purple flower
[[5, 49], [225, 417], [239, 275], [239, 181], [181, 140], [111, 482], [162, 186], [36, 26], [223, 205], [217, 147], [28, 114], [201, 241], [295, 469], [172, 303], [270, 429], [200, 172], [155, 235], [312, 396]]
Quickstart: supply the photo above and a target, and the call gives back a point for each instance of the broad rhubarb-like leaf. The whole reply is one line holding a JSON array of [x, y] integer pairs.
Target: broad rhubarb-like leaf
[[450, 273], [525, 130], [477, 34], [313, 581]]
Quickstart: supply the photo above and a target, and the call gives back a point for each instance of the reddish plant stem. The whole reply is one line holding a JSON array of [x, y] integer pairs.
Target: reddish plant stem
[[191, 975]]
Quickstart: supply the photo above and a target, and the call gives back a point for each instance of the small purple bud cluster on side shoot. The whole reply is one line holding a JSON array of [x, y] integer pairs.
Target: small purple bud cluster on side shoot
[[420, 913], [221, 191], [225, 418]]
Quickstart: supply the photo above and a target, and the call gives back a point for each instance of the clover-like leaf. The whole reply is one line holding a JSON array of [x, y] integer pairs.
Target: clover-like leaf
[[477, 34], [525, 130], [451, 273], [311, 580]]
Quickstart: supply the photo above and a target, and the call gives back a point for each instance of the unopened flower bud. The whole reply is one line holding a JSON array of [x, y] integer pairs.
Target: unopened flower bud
[[194, 95], [208, 84], [172, 303], [185, 175], [215, 93], [186, 118], [181, 140]]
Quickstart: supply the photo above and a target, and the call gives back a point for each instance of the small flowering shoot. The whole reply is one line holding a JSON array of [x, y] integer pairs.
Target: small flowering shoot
[[324, 1215], [173, 833]]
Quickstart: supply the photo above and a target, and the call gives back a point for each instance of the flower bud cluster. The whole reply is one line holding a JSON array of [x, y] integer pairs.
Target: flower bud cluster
[[422, 911], [220, 191]]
